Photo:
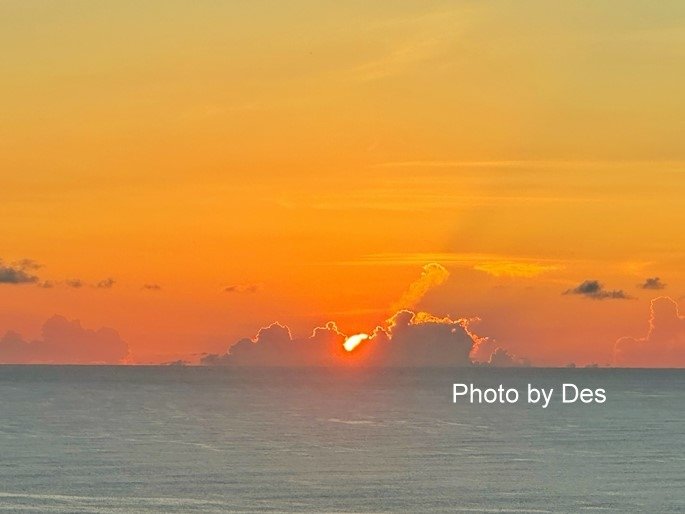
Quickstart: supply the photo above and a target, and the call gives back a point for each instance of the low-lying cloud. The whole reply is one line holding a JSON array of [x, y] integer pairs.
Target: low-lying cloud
[[64, 342], [274, 346], [595, 290], [407, 339], [664, 344]]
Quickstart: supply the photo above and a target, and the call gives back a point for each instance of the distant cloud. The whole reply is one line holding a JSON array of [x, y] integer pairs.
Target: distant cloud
[[488, 351], [652, 283], [28, 264], [18, 272], [151, 287], [63, 342], [46, 284], [501, 358], [75, 283], [433, 275], [107, 283], [241, 288], [595, 290], [664, 344]]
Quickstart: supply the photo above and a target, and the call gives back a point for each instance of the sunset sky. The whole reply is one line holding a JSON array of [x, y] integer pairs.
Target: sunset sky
[[187, 173]]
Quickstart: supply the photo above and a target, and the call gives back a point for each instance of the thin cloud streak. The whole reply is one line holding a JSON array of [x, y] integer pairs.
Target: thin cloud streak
[[492, 264], [523, 164]]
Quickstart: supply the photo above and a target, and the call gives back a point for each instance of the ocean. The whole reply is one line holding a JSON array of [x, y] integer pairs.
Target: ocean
[[202, 439]]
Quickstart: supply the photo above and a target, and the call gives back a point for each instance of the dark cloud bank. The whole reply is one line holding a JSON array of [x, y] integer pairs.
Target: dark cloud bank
[[408, 340], [64, 342]]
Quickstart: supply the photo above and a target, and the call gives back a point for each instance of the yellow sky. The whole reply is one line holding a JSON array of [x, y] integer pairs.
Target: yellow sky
[[316, 154]]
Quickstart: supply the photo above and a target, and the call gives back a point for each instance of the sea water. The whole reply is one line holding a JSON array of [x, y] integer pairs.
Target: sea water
[[201, 439]]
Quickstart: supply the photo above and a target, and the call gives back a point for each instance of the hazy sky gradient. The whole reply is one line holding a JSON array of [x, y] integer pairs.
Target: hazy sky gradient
[[300, 162]]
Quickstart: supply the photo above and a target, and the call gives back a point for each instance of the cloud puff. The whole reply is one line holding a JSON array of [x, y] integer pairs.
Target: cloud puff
[[18, 272], [107, 283], [409, 339], [241, 288], [433, 275], [75, 283], [151, 287], [664, 344], [65, 342], [652, 283], [595, 290]]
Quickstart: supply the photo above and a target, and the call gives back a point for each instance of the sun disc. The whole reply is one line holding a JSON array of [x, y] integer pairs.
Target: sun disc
[[353, 341]]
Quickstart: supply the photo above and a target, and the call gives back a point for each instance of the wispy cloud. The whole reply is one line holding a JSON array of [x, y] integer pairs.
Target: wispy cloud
[[493, 264], [398, 60], [241, 288], [510, 268], [524, 163], [433, 275]]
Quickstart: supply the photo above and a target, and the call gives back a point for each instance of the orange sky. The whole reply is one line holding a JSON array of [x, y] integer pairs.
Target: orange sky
[[258, 162]]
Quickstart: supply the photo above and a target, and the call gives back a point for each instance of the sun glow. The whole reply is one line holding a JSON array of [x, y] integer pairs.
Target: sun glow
[[353, 341]]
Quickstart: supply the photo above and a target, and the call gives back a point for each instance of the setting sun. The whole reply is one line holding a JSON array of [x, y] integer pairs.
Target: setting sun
[[353, 341]]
